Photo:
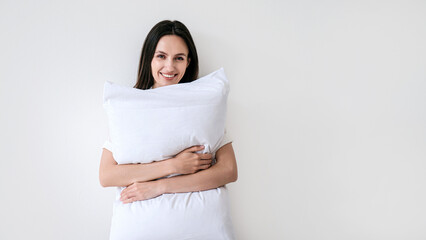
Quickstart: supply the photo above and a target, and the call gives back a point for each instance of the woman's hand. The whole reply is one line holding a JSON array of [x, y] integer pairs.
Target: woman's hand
[[139, 191], [188, 161]]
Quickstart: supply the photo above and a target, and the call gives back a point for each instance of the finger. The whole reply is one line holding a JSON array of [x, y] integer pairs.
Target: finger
[[127, 196], [123, 197], [129, 200], [205, 166], [195, 148], [205, 155], [203, 162], [127, 189]]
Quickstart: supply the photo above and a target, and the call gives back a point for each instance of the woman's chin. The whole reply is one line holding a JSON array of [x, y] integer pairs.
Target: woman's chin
[[164, 82]]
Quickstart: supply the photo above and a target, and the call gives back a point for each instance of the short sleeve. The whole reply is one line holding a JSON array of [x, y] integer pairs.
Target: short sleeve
[[108, 145], [226, 140]]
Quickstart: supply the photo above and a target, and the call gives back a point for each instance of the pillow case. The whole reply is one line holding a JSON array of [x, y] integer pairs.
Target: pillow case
[[156, 124], [202, 215]]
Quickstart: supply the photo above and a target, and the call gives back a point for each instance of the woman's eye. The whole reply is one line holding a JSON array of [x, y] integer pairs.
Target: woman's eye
[[180, 58], [160, 56]]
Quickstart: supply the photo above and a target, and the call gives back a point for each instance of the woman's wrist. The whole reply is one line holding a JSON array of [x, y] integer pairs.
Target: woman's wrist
[[171, 169], [161, 186]]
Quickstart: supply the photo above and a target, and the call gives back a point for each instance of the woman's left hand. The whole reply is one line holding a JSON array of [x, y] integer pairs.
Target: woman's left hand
[[139, 191]]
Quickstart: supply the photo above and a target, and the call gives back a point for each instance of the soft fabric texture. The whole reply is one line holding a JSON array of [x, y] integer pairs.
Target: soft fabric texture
[[226, 139], [202, 215], [156, 124]]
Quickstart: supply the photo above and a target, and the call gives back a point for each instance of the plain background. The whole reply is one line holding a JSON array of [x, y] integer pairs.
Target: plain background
[[327, 111]]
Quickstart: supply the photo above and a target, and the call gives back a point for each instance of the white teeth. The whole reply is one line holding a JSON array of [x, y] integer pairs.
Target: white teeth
[[169, 76]]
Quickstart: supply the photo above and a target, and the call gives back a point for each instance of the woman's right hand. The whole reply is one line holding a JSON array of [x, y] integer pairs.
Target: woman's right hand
[[188, 161]]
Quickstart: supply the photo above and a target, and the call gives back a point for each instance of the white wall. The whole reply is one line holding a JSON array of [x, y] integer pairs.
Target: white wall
[[327, 110]]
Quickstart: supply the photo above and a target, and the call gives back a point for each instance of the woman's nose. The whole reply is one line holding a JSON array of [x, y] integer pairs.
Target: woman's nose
[[169, 63]]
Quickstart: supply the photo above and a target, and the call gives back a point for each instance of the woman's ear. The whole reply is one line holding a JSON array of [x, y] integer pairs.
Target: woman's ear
[[189, 60]]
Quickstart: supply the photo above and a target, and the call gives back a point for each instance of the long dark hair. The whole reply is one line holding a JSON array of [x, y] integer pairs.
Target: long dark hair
[[145, 79]]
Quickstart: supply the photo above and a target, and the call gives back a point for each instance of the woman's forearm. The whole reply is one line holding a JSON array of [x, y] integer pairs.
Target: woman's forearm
[[213, 177], [223, 172], [121, 175]]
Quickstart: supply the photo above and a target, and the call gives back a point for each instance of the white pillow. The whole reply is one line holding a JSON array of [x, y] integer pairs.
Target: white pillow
[[197, 215], [156, 124]]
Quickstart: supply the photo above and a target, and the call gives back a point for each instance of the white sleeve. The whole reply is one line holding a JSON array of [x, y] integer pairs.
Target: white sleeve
[[108, 145], [226, 140]]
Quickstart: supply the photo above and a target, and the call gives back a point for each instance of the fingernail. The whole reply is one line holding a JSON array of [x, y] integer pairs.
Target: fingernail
[[202, 146]]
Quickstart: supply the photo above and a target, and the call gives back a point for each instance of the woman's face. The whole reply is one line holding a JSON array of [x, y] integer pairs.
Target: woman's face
[[170, 61]]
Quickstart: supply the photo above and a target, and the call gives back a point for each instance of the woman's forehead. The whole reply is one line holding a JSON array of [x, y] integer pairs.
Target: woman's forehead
[[172, 45]]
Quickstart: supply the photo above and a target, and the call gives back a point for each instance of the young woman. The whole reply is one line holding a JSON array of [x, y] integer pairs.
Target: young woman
[[169, 57]]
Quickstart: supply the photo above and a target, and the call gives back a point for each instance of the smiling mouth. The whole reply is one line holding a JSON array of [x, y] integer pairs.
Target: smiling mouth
[[168, 76]]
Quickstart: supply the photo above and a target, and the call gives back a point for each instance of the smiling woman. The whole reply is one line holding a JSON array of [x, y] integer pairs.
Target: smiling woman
[[182, 197], [168, 45], [170, 61]]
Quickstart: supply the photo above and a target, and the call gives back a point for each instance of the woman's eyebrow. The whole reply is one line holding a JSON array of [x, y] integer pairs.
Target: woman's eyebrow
[[161, 52], [167, 54]]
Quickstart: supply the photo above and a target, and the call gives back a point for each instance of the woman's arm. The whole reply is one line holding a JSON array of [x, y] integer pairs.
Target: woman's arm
[[223, 172], [121, 175]]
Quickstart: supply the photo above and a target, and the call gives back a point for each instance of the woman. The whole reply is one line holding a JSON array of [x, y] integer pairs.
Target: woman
[[169, 57]]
